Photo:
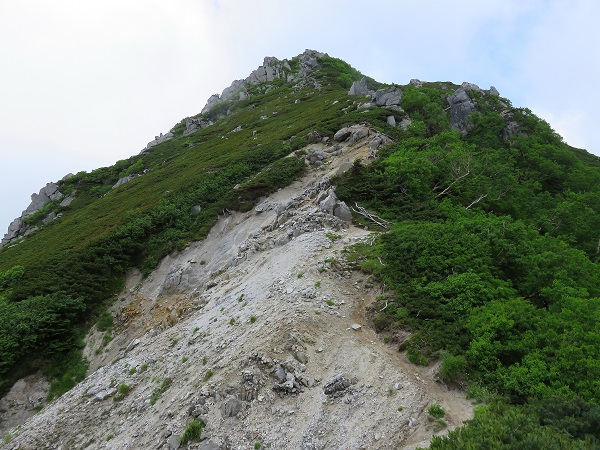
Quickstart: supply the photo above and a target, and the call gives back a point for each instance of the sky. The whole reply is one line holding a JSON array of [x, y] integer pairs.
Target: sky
[[85, 83]]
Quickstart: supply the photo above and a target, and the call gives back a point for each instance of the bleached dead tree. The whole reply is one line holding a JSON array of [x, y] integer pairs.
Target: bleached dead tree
[[371, 217]]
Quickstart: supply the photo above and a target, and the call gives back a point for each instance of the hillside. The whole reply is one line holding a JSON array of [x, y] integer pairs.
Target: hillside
[[231, 276]]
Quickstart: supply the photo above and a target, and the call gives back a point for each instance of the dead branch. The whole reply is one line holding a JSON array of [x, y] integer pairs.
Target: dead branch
[[460, 171], [481, 197], [372, 217]]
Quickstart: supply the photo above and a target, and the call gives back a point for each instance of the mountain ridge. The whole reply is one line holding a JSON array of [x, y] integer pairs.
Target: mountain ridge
[[477, 210]]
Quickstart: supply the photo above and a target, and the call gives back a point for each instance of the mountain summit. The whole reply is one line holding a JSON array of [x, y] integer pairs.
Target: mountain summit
[[316, 260]]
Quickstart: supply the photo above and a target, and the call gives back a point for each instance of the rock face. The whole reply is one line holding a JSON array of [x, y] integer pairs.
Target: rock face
[[462, 106], [159, 139], [360, 88], [270, 70], [388, 97], [332, 205], [18, 228]]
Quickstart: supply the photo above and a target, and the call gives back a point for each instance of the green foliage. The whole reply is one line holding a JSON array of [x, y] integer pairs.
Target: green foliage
[[504, 427], [252, 319], [193, 431], [436, 411], [166, 384], [493, 264], [105, 321], [453, 368], [66, 371], [122, 391], [209, 373]]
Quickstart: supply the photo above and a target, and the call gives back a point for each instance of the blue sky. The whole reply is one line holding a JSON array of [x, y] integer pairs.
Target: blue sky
[[86, 83]]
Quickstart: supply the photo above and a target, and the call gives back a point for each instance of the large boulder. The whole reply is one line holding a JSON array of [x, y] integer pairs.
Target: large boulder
[[360, 88], [461, 107], [388, 97], [160, 139], [342, 134], [231, 407], [48, 193]]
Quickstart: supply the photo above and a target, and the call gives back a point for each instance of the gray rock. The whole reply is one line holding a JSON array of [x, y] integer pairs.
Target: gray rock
[[235, 88], [376, 142], [366, 105], [511, 129], [209, 445], [124, 180], [405, 123], [134, 343], [388, 97], [301, 356], [47, 194], [194, 123], [341, 211], [391, 120], [280, 374], [329, 203], [416, 83], [461, 107], [314, 137], [316, 156], [231, 407], [49, 218], [342, 134], [67, 201], [160, 139], [212, 101], [359, 88], [358, 134], [173, 442], [338, 385]]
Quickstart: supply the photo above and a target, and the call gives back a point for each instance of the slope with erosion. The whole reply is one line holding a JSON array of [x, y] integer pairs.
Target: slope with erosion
[[259, 331]]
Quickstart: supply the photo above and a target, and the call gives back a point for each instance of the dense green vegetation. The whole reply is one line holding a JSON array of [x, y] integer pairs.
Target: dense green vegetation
[[492, 259], [493, 263]]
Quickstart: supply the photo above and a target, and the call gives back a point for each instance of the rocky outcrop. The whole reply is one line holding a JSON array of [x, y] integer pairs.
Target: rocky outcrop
[[388, 97], [360, 88], [270, 70], [159, 139], [18, 228], [195, 123], [125, 180], [330, 204], [462, 106]]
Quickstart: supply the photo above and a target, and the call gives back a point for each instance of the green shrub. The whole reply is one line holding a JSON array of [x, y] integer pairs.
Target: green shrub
[[122, 391], [193, 431], [166, 384], [416, 357], [105, 321], [452, 368], [436, 411]]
